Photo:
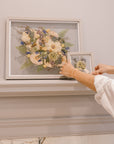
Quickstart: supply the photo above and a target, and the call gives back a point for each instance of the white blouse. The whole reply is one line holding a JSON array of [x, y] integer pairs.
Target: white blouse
[[105, 92]]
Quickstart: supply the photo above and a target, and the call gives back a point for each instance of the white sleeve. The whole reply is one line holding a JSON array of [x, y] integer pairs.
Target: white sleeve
[[105, 93]]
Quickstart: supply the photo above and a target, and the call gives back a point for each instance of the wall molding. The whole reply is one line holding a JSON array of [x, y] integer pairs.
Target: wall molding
[[62, 126], [24, 122]]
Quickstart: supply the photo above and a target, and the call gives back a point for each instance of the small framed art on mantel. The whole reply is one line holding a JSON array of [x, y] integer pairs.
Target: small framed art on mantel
[[36, 49], [82, 61]]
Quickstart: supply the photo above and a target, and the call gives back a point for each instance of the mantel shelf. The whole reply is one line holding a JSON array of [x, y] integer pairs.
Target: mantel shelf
[[42, 88]]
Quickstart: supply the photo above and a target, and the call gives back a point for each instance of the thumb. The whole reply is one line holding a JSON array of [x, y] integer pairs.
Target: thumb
[[68, 61], [96, 72]]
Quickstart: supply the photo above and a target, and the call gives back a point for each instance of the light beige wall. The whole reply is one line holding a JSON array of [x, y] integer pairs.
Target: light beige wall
[[96, 16], [97, 29]]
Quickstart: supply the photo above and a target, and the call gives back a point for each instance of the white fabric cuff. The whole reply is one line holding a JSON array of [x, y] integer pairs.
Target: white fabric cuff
[[100, 82]]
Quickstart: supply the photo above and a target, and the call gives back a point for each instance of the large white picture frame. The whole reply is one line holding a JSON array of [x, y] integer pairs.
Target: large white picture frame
[[14, 58]]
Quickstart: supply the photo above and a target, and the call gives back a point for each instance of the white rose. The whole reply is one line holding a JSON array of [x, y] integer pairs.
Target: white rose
[[37, 44], [36, 35], [53, 34], [35, 60], [48, 44], [25, 37], [57, 47], [28, 46]]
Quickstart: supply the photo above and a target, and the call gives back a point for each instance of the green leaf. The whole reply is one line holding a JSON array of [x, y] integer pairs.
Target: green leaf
[[40, 67], [67, 44], [64, 50], [31, 36], [42, 53], [22, 49], [62, 40], [54, 38], [34, 49], [26, 64], [47, 60], [59, 60], [27, 28], [63, 33]]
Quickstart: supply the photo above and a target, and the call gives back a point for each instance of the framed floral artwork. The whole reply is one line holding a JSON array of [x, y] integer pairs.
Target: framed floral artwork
[[82, 61], [36, 49]]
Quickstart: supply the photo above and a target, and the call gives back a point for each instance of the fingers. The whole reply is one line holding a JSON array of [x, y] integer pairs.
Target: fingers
[[94, 73], [60, 72], [61, 69], [68, 61], [97, 72], [97, 67]]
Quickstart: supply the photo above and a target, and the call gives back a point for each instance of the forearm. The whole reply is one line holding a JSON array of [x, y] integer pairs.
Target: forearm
[[84, 78], [111, 70]]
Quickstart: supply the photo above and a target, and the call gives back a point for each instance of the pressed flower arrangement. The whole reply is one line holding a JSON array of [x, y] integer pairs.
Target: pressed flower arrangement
[[37, 48], [80, 64], [43, 48]]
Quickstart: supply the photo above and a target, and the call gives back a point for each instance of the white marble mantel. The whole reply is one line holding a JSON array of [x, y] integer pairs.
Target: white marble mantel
[[42, 88], [31, 108]]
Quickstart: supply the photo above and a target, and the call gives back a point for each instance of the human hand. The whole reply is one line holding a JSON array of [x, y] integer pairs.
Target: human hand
[[67, 70], [101, 68]]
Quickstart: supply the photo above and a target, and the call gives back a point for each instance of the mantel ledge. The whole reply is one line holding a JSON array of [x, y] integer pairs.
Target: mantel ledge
[[42, 88]]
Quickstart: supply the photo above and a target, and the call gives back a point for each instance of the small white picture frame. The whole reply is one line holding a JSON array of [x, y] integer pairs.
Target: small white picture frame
[[82, 61]]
